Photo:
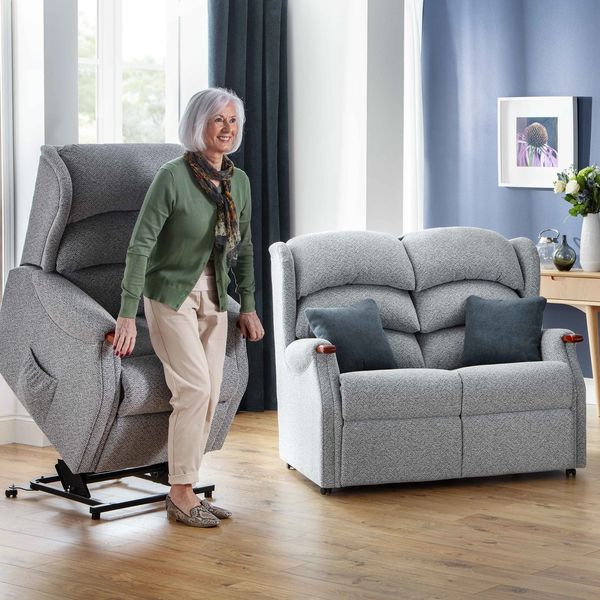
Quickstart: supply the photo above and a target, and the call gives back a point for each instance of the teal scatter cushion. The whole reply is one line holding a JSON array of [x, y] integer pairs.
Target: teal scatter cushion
[[357, 333], [502, 331]]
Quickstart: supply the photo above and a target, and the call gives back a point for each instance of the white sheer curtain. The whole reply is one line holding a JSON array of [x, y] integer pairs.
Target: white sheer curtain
[[412, 205]]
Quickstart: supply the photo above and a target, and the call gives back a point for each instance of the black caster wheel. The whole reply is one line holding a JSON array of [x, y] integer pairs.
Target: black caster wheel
[[571, 472], [208, 494], [10, 493], [326, 491], [290, 467]]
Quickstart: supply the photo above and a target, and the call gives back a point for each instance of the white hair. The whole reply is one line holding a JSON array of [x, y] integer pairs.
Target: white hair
[[201, 107]]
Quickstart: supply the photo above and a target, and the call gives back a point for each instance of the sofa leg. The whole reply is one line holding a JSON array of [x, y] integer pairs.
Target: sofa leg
[[572, 472], [290, 467], [326, 491]]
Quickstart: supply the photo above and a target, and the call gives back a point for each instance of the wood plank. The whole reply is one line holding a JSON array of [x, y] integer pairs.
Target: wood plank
[[532, 536]]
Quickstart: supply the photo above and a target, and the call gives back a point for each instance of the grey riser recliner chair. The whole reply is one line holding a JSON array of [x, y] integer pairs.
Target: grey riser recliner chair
[[429, 419], [101, 412]]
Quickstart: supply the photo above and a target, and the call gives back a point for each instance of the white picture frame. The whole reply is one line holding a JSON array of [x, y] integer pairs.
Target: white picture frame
[[523, 124]]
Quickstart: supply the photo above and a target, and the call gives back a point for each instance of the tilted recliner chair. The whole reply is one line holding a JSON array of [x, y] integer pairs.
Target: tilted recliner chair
[[106, 416]]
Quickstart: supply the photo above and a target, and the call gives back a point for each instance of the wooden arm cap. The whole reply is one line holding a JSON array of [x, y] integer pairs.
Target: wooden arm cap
[[110, 337], [572, 338], [326, 349]]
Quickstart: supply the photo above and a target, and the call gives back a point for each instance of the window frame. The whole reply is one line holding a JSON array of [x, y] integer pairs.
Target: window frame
[[109, 66]]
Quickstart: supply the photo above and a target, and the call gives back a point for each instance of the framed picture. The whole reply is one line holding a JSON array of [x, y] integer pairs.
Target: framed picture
[[537, 137]]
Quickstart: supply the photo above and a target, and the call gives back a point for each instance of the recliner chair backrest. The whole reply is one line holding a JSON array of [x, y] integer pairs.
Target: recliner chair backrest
[[86, 201]]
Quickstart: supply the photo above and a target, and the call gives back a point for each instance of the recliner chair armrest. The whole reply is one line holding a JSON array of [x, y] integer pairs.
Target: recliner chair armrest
[[59, 297], [301, 353]]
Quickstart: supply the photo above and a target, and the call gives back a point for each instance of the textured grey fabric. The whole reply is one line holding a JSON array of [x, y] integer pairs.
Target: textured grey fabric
[[135, 440], [37, 316], [310, 417], [283, 281], [103, 284], [446, 254], [518, 442], [112, 177], [406, 450], [443, 306], [329, 259], [443, 349], [356, 428], [60, 365], [514, 387], [529, 259], [235, 380], [395, 307], [97, 240], [144, 387], [58, 297], [49, 211], [405, 348], [400, 394], [553, 348]]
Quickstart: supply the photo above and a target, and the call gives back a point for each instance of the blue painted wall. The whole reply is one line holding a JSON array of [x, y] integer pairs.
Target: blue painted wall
[[475, 51]]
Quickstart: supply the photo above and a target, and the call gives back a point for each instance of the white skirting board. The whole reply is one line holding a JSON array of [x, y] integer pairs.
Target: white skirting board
[[590, 394], [21, 429]]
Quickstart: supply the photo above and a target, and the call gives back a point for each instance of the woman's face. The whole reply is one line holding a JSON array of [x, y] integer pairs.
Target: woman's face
[[221, 130]]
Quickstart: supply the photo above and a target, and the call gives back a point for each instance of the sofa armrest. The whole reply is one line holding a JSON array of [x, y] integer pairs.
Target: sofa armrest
[[559, 345], [301, 353], [309, 407]]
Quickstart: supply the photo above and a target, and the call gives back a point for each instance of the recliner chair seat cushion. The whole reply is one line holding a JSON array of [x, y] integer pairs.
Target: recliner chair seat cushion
[[145, 390], [400, 394], [515, 387]]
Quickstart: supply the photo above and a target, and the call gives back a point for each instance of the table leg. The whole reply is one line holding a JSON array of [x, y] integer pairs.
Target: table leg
[[591, 316]]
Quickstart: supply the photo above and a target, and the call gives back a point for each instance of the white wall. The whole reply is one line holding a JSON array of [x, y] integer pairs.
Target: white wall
[[327, 70], [385, 107], [345, 94]]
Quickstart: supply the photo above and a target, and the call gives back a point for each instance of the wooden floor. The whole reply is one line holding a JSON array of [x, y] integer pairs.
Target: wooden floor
[[526, 536]]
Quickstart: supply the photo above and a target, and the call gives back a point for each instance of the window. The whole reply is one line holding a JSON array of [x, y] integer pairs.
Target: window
[[135, 76]]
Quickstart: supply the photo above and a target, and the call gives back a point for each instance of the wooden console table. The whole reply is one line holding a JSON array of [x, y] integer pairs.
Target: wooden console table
[[580, 289]]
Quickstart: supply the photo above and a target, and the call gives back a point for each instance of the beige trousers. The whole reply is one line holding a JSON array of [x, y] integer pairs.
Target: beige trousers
[[190, 342]]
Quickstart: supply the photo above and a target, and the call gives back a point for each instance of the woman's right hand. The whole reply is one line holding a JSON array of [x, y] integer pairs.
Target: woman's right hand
[[125, 334]]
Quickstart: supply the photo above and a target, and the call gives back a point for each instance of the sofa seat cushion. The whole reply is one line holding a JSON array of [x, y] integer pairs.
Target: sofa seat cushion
[[400, 394], [514, 387]]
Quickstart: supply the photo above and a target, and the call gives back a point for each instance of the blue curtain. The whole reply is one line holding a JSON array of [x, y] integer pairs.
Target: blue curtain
[[248, 54]]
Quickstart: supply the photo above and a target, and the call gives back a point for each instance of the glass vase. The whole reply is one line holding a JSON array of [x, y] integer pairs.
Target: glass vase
[[564, 256]]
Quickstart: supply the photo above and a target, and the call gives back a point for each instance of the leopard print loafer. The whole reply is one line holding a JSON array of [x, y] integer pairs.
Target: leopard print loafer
[[198, 517], [219, 512]]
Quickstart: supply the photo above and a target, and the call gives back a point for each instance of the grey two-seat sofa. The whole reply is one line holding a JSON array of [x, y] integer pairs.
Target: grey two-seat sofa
[[429, 419]]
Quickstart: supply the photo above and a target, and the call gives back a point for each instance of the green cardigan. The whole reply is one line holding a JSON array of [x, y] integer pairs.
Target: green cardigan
[[173, 238]]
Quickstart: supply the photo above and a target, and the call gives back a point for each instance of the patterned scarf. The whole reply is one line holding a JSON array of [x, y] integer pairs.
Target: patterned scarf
[[227, 231]]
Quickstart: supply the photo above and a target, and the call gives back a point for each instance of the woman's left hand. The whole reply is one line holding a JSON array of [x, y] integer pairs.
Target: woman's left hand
[[250, 326]]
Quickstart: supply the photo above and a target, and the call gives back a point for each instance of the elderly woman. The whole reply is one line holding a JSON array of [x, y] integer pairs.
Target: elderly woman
[[194, 225]]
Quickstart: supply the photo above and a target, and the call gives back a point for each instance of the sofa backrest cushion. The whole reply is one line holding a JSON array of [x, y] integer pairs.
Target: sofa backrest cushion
[[85, 205], [447, 254], [334, 258]]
